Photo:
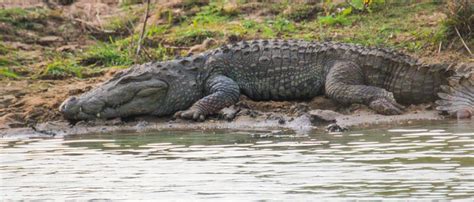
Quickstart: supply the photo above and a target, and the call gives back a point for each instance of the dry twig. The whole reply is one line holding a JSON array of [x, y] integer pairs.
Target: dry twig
[[439, 47], [144, 27], [462, 40]]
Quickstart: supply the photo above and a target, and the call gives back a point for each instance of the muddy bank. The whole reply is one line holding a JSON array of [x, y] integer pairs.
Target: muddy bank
[[267, 117]]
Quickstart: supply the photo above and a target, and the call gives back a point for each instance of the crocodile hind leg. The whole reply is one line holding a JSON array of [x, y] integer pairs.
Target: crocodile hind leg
[[345, 84], [222, 92]]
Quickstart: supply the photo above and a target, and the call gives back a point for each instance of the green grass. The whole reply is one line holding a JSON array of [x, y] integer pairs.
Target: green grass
[[157, 30], [4, 61], [7, 73], [106, 54], [4, 49], [124, 23], [397, 26], [12, 14], [214, 13], [190, 36], [25, 18], [302, 12], [62, 68]]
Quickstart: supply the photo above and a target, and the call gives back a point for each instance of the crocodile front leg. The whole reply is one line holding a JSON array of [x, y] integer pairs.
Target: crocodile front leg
[[345, 84], [222, 92]]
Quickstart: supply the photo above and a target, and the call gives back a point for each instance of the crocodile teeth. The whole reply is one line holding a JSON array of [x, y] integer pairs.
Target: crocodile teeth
[[80, 109], [98, 115]]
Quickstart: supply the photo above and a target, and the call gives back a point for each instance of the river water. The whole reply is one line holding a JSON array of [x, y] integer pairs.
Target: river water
[[432, 160]]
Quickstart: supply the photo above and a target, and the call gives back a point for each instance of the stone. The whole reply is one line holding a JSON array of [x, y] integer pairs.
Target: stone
[[323, 116], [50, 40]]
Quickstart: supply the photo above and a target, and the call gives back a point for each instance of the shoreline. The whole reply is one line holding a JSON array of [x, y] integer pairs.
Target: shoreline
[[313, 121]]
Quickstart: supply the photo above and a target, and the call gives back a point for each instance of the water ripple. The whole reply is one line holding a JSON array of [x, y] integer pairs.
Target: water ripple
[[430, 162]]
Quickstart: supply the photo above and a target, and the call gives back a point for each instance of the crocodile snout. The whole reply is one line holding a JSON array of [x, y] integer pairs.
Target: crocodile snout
[[67, 102], [69, 107]]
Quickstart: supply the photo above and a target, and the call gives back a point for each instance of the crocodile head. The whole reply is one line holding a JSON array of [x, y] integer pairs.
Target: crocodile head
[[143, 89]]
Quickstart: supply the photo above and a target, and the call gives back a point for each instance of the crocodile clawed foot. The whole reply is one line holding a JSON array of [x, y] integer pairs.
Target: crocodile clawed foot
[[386, 106], [191, 114], [333, 127]]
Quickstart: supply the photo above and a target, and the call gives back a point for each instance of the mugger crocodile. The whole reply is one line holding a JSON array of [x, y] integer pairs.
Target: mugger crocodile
[[197, 86]]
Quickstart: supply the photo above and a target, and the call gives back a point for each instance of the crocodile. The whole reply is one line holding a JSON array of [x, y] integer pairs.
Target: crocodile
[[200, 85]]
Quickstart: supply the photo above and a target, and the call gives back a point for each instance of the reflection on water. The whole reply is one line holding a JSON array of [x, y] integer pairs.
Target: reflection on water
[[425, 161]]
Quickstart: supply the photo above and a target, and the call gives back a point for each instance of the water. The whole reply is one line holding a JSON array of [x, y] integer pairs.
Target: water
[[430, 161]]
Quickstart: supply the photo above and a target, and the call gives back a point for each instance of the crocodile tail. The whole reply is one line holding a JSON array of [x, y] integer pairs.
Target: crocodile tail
[[457, 98]]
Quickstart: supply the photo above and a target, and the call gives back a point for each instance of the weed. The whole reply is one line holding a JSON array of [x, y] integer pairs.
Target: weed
[[334, 20], [61, 68], [4, 49], [283, 25], [249, 24], [194, 36], [268, 32], [24, 18], [188, 4], [106, 54], [157, 30], [460, 19], [161, 53], [7, 73], [4, 61], [124, 23], [366, 5], [212, 14], [13, 14], [300, 12]]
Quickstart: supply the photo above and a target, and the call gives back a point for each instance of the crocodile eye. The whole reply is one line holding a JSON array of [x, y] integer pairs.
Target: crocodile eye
[[150, 91], [134, 78]]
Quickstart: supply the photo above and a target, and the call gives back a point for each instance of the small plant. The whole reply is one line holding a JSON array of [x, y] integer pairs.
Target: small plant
[[106, 54], [366, 5], [301, 12], [283, 25], [212, 14], [24, 18], [3, 49], [13, 14], [188, 4], [334, 20], [339, 18], [4, 61], [161, 53], [124, 23], [7, 73], [60, 68], [268, 32], [194, 36], [249, 24], [460, 20], [156, 30]]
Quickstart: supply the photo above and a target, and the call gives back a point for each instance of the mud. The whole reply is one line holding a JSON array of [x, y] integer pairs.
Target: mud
[[268, 117]]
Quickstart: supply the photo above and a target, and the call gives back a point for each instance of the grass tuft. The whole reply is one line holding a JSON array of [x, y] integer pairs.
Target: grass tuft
[[7, 73], [106, 54], [61, 68], [194, 36]]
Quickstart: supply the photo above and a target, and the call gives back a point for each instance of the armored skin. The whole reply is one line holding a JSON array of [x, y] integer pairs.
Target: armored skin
[[197, 86]]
